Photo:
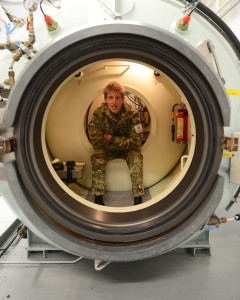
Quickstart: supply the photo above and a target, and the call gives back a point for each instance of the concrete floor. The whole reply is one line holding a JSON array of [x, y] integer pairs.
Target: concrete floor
[[174, 275]]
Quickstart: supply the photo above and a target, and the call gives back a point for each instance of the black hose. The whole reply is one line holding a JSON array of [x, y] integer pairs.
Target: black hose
[[41, 8]]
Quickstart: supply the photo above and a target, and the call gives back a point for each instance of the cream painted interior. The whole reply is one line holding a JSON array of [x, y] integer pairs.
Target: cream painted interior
[[64, 128]]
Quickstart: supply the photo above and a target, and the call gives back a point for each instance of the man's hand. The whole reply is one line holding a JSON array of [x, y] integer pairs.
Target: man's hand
[[108, 138]]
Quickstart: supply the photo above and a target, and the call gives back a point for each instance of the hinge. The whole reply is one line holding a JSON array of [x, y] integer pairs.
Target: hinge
[[7, 145]]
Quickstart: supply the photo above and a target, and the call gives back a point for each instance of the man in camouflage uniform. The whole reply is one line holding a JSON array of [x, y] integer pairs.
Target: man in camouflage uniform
[[115, 131]]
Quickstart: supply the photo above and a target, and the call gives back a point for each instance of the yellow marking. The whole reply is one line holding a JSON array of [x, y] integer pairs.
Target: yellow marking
[[227, 154], [232, 92]]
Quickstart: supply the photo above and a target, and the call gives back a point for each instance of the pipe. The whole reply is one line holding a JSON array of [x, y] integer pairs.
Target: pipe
[[9, 236], [11, 46], [8, 244], [215, 220], [31, 38], [210, 3], [222, 7], [50, 262], [228, 10]]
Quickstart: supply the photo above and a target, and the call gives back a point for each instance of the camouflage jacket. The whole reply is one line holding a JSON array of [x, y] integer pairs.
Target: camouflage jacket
[[125, 128]]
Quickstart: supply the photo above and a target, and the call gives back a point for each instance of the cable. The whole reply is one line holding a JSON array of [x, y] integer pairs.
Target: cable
[[41, 8], [50, 3], [9, 30], [133, 100], [54, 5]]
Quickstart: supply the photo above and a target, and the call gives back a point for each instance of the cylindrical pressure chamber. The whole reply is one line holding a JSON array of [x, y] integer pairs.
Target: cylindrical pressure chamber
[[180, 78]]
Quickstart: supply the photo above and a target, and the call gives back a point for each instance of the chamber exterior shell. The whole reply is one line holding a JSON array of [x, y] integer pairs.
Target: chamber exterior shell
[[134, 234]]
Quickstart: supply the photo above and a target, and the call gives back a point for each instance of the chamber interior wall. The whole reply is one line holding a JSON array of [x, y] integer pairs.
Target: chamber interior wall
[[66, 121]]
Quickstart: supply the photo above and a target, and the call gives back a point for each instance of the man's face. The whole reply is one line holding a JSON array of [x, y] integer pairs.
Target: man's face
[[114, 102]]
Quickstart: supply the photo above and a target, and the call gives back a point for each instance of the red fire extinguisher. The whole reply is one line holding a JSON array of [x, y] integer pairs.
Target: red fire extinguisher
[[182, 124]]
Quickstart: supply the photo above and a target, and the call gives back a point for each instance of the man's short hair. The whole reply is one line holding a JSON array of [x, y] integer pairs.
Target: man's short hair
[[114, 87]]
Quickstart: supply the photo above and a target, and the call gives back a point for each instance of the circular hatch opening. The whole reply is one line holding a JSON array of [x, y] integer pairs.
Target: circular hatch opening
[[156, 98], [75, 218]]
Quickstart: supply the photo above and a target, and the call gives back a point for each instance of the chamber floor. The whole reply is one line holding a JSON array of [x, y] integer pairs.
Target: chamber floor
[[119, 199]]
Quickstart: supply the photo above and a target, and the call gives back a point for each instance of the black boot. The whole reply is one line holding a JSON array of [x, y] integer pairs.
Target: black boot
[[99, 200], [137, 200]]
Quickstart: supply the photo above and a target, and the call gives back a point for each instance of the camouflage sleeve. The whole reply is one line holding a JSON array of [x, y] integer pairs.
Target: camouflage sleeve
[[95, 132], [134, 141]]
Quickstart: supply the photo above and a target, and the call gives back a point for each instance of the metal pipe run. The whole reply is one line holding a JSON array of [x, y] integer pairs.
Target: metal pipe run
[[50, 262], [228, 10]]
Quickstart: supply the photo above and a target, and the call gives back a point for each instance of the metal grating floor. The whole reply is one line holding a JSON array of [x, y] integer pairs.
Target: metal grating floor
[[119, 199]]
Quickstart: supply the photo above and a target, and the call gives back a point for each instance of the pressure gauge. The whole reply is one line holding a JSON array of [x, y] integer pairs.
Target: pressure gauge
[[30, 5]]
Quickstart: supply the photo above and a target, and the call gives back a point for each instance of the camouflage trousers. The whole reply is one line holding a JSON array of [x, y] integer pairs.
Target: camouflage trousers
[[134, 160]]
